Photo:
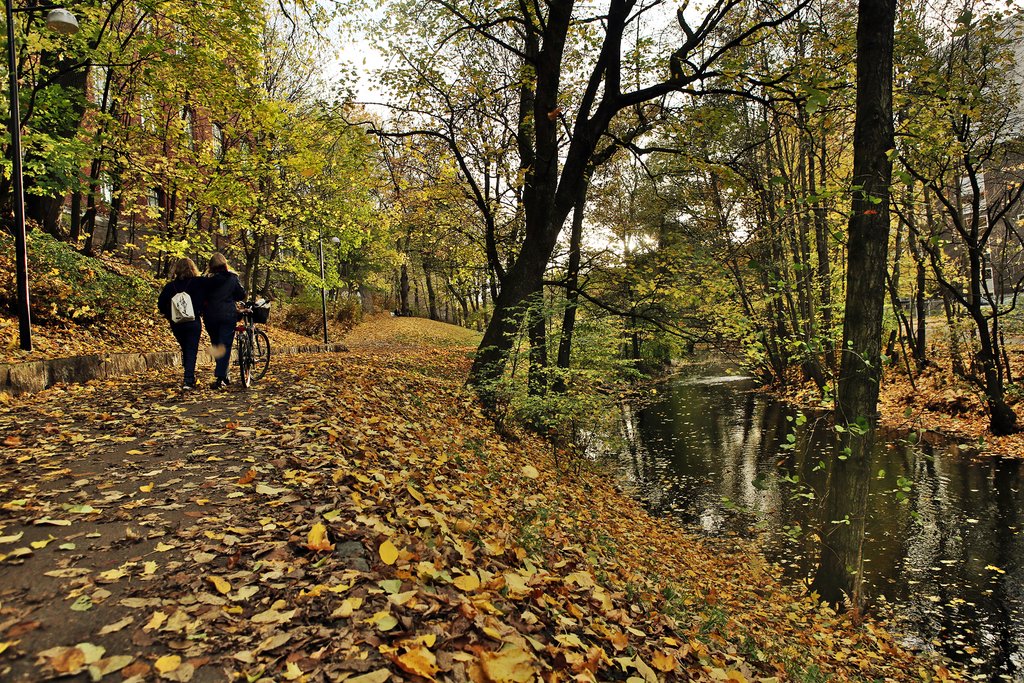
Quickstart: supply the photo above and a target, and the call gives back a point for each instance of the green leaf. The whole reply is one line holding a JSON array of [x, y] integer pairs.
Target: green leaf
[[82, 604]]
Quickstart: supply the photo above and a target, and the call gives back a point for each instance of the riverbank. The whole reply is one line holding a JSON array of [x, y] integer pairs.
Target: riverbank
[[935, 406], [355, 516]]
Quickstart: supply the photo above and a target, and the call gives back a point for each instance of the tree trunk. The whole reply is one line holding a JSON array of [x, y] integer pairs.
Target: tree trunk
[[919, 336], [840, 571], [522, 281], [110, 243], [1002, 418], [431, 295], [403, 290], [91, 206], [824, 273], [76, 218], [572, 295], [538, 379]]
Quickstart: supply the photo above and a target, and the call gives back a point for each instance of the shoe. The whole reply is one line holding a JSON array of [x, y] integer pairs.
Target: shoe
[[226, 381], [217, 384], [187, 387]]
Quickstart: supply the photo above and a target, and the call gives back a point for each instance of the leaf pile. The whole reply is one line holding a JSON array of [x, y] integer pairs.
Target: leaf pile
[[356, 518]]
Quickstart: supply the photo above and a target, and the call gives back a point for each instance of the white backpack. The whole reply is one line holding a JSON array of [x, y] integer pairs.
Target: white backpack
[[181, 308]]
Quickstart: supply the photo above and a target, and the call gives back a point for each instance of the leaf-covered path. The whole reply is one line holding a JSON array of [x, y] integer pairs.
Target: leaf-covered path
[[353, 516]]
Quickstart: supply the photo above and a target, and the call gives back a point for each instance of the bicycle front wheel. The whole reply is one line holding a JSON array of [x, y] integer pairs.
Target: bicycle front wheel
[[260, 354], [244, 359]]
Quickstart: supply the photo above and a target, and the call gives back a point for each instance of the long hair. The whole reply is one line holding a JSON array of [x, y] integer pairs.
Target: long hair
[[184, 269], [218, 264]]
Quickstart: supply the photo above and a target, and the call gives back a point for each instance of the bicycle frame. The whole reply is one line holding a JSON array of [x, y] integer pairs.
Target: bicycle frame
[[252, 349]]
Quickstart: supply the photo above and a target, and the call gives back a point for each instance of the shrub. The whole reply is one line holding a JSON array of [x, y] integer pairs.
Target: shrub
[[66, 286], [577, 406]]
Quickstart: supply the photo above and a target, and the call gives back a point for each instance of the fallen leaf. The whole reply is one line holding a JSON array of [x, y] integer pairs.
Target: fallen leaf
[[418, 661], [82, 604], [385, 621], [511, 664], [155, 622], [52, 522], [69, 661], [467, 582], [116, 626], [222, 585], [388, 552], [317, 539], [273, 616], [39, 545], [109, 665], [346, 608], [167, 663], [663, 661], [378, 676]]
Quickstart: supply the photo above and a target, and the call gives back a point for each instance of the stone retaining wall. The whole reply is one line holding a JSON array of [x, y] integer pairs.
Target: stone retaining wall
[[31, 376]]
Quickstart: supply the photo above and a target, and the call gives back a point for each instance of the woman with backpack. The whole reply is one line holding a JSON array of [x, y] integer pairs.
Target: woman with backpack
[[181, 302], [221, 314]]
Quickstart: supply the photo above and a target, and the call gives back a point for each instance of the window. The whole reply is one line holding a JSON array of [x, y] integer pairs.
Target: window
[[106, 189], [217, 140], [967, 193], [147, 111], [98, 76], [153, 198], [188, 127], [191, 216]]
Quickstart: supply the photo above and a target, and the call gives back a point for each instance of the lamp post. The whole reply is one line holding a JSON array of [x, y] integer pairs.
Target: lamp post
[[323, 282], [63, 22]]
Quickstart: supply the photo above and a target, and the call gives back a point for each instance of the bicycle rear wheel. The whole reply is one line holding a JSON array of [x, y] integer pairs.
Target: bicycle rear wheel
[[260, 354], [244, 359]]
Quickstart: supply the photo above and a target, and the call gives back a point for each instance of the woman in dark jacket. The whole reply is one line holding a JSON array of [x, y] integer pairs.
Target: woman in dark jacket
[[185, 278], [220, 313]]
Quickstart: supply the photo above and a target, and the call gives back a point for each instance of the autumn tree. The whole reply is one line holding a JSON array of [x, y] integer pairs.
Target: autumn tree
[[962, 146], [558, 128], [440, 230]]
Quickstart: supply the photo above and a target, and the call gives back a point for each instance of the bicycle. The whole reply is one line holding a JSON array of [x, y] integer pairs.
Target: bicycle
[[252, 344]]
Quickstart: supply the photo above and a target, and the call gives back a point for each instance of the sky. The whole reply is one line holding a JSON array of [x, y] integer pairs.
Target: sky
[[354, 53]]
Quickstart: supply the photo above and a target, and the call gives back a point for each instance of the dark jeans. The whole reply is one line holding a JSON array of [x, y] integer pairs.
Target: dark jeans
[[188, 335], [222, 333]]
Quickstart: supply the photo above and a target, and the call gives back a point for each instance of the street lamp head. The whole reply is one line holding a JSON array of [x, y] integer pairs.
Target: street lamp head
[[62, 21], [335, 240]]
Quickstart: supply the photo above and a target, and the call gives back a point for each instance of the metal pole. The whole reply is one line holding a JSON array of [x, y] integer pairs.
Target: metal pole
[[20, 241], [323, 288]]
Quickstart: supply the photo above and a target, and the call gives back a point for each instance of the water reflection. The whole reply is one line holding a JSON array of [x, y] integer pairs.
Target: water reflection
[[944, 544]]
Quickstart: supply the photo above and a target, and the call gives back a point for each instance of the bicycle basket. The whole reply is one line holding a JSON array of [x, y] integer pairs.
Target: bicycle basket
[[261, 313]]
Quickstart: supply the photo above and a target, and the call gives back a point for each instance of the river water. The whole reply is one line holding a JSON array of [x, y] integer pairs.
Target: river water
[[945, 533]]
